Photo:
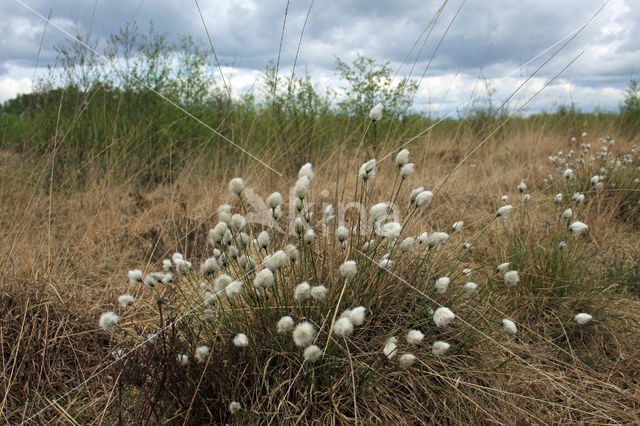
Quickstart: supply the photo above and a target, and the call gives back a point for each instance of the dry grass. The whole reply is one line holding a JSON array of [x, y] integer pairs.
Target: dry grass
[[65, 255]]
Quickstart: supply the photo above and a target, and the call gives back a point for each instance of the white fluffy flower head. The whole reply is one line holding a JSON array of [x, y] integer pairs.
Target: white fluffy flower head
[[304, 334], [236, 186], [109, 321], [443, 316]]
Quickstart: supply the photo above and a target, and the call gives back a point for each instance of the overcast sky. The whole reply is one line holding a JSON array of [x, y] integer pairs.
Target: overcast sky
[[495, 38]]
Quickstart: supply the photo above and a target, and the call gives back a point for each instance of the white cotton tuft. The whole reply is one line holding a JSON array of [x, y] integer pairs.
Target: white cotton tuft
[[307, 171], [319, 292], [526, 198], [466, 272], [343, 327], [236, 186], [391, 230], [407, 245], [406, 360], [567, 214], [183, 359], [379, 211], [274, 200], [511, 278], [202, 353], [442, 284], [302, 291], [263, 279], [342, 233], [209, 266], [437, 239], [568, 173], [234, 407], [292, 252], [415, 193], [424, 198], [558, 198], [423, 238], [457, 226], [238, 221], [135, 276], [312, 353], [578, 228], [263, 239], [390, 348], [221, 282], [402, 158], [109, 321], [443, 316], [439, 347], [509, 326], [414, 337], [309, 236], [285, 325], [241, 340], [470, 287], [301, 188], [233, 289], [348, 269], [522, 186], [357, 315], [304, 333], [582, 318], [504, 210], [368, 170], [376, 112], [126, 300], [407, 170], [503, 266]]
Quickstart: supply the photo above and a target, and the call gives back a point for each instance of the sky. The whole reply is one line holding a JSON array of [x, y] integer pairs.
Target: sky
[[473, 45]]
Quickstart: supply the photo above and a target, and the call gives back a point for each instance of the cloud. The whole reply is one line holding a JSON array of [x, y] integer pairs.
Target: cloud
[[486, 38]]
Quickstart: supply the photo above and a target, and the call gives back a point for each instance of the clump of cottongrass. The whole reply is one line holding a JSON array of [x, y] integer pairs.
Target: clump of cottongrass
[[202, 353], [582, 318], [302, 291], [443, 316], [406, 360], [578, 228], [135, 276], [240, 340], [375, 114], [126, 300], [511, 278], [234, 407], [439, 347], [509, 326], [442, 284], [319, 292], [348, 269], [312, 353], [390, 347], [109, 321], [414, 337], [304, 334], [236, 186], [343, 327], [285, 325]]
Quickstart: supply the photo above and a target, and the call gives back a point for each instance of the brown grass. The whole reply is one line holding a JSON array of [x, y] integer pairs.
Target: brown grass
[[65, 255]]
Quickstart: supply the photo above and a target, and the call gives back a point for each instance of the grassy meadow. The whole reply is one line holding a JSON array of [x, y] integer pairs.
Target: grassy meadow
[[253, 312]]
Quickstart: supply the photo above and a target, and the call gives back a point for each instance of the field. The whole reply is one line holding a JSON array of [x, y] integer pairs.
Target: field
[[171, 253], [66, 251]]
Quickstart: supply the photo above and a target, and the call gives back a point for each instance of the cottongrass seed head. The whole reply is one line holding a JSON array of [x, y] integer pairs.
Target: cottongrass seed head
[[234, 407], [414, 337], [348, 269], [202, 353], [285, 325], [509, 326], [511, 278], [343, 327], [582, 318], [390, 348], [109, 321], [241, 340], [236, 186], [319, 292], [312, 353], [304, 334], [357, 315], [302, 291], [406, 360], [439, 347], [443, 316], [126, 300]]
